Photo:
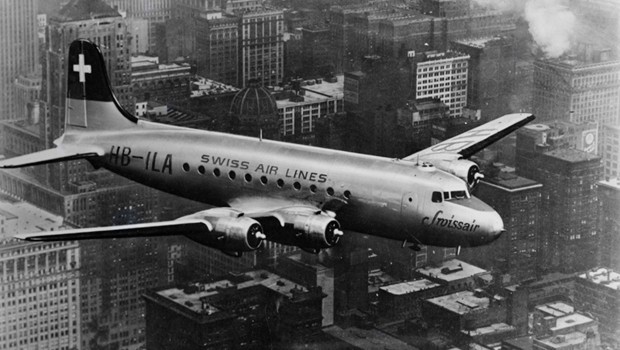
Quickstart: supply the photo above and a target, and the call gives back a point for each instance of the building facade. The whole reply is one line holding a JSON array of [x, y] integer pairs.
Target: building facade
[[217, 48], [491, 72], [609, 222], [597, 292], [39, 283], [610, 145], [261, 47], [518, 202], [152, 81], [442, 75], [570, 240], [578, 90], [21, 49], [155, 12]]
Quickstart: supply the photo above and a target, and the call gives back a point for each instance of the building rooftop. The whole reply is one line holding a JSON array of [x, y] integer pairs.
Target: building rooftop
[[29, 218], [556, 309], [462, 302], [571, 155], [198, 302], [613, 183], [562, 341], [79, 10], [478, 42], [451, 270], [603, 276], [570, 321], [430, 56], [511, 182], [409, 287], [523, 343], [206, 87], [317, 93], [494, 328]]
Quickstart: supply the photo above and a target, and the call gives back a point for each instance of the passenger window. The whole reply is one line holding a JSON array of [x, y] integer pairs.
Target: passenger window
[[436, 198]]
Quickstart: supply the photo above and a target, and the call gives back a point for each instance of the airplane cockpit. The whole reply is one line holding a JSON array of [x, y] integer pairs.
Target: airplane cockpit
[[438, 197]]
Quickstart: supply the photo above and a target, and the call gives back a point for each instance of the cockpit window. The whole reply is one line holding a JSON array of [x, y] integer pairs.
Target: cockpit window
[[458, 194], [455, 195], [436, 198]]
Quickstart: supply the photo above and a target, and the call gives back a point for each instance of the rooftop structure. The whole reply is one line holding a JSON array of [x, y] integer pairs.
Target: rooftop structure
[[450, 271], [462, 302], [604, 277], [409, 287]]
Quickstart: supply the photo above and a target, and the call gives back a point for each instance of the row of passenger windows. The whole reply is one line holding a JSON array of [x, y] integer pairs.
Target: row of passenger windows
[[232, 175]]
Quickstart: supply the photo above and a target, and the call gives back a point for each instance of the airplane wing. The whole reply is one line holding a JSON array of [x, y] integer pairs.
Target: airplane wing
[[474, 140], [164, 228], [51, 155], [231, 229]]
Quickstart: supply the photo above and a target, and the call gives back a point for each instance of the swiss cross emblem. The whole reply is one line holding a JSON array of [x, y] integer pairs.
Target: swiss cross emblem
[[82, 68]]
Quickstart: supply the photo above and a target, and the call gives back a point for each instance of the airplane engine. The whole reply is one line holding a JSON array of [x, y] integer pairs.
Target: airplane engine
[[232, 234], [465, 169], [317, 231]]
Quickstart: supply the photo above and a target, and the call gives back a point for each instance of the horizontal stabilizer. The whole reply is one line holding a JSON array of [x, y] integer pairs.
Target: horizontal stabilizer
[[51, 155], [155, 229]]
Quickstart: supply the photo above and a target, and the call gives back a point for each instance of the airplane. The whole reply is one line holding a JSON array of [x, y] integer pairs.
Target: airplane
[[268, 190]]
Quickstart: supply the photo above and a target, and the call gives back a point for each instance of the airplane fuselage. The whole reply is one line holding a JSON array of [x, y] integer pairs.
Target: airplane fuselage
[[373, 195]]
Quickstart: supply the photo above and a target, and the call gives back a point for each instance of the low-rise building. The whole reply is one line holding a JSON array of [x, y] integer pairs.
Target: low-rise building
[[598, 292], [403, 300], [253, 309], [456, 275]]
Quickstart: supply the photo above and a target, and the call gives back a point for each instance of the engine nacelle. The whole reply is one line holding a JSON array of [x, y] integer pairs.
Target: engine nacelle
[[464, 169], [319, 231], [231, 234]]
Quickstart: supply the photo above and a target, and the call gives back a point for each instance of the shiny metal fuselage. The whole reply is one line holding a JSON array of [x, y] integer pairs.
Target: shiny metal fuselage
[[384, 197]]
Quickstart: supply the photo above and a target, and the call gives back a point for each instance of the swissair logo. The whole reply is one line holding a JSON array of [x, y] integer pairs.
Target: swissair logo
[[82, 68]]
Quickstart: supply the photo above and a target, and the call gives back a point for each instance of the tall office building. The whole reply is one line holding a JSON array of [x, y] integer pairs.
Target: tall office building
[[261, 47], [217, 47], [609, 222], [39, 283], [20, 47], [491, 73], [578, 90], [610, 145], [156, 12], [570, 240], [518, 201], [442, 75]]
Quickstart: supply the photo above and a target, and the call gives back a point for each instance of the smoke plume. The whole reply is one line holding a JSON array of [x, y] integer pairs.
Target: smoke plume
[[551, 25], [551, 22]]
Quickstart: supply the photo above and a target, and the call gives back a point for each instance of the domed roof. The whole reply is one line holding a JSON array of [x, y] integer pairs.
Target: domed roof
[[254, 100]]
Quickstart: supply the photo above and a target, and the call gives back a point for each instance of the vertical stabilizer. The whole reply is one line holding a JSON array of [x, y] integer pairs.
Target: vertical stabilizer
[[91, 104]]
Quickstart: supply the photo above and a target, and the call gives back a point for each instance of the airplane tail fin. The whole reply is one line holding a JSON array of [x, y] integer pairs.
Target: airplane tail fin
[[90, 106]]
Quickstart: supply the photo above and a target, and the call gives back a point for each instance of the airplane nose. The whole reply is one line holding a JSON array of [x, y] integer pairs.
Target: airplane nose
[[496, 227]]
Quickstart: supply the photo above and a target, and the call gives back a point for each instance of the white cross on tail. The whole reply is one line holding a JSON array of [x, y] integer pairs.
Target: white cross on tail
[[82, 68]]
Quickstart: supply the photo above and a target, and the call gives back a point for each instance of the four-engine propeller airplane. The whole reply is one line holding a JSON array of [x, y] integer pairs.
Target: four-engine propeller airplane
[[287, 193]]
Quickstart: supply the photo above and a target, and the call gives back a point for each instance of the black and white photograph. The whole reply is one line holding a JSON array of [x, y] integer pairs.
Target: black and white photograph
[[310, 174]]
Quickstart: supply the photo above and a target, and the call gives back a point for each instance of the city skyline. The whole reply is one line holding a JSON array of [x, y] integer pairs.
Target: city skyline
[[385, 78]]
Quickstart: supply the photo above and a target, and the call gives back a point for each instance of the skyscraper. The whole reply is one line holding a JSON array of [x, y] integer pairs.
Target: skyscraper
[[19, 54], [517, 200], [155, 11], [261, 47], [578, 90], [570, 240]]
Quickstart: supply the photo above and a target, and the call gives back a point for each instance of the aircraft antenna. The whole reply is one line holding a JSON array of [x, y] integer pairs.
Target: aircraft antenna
[[260, 134]]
